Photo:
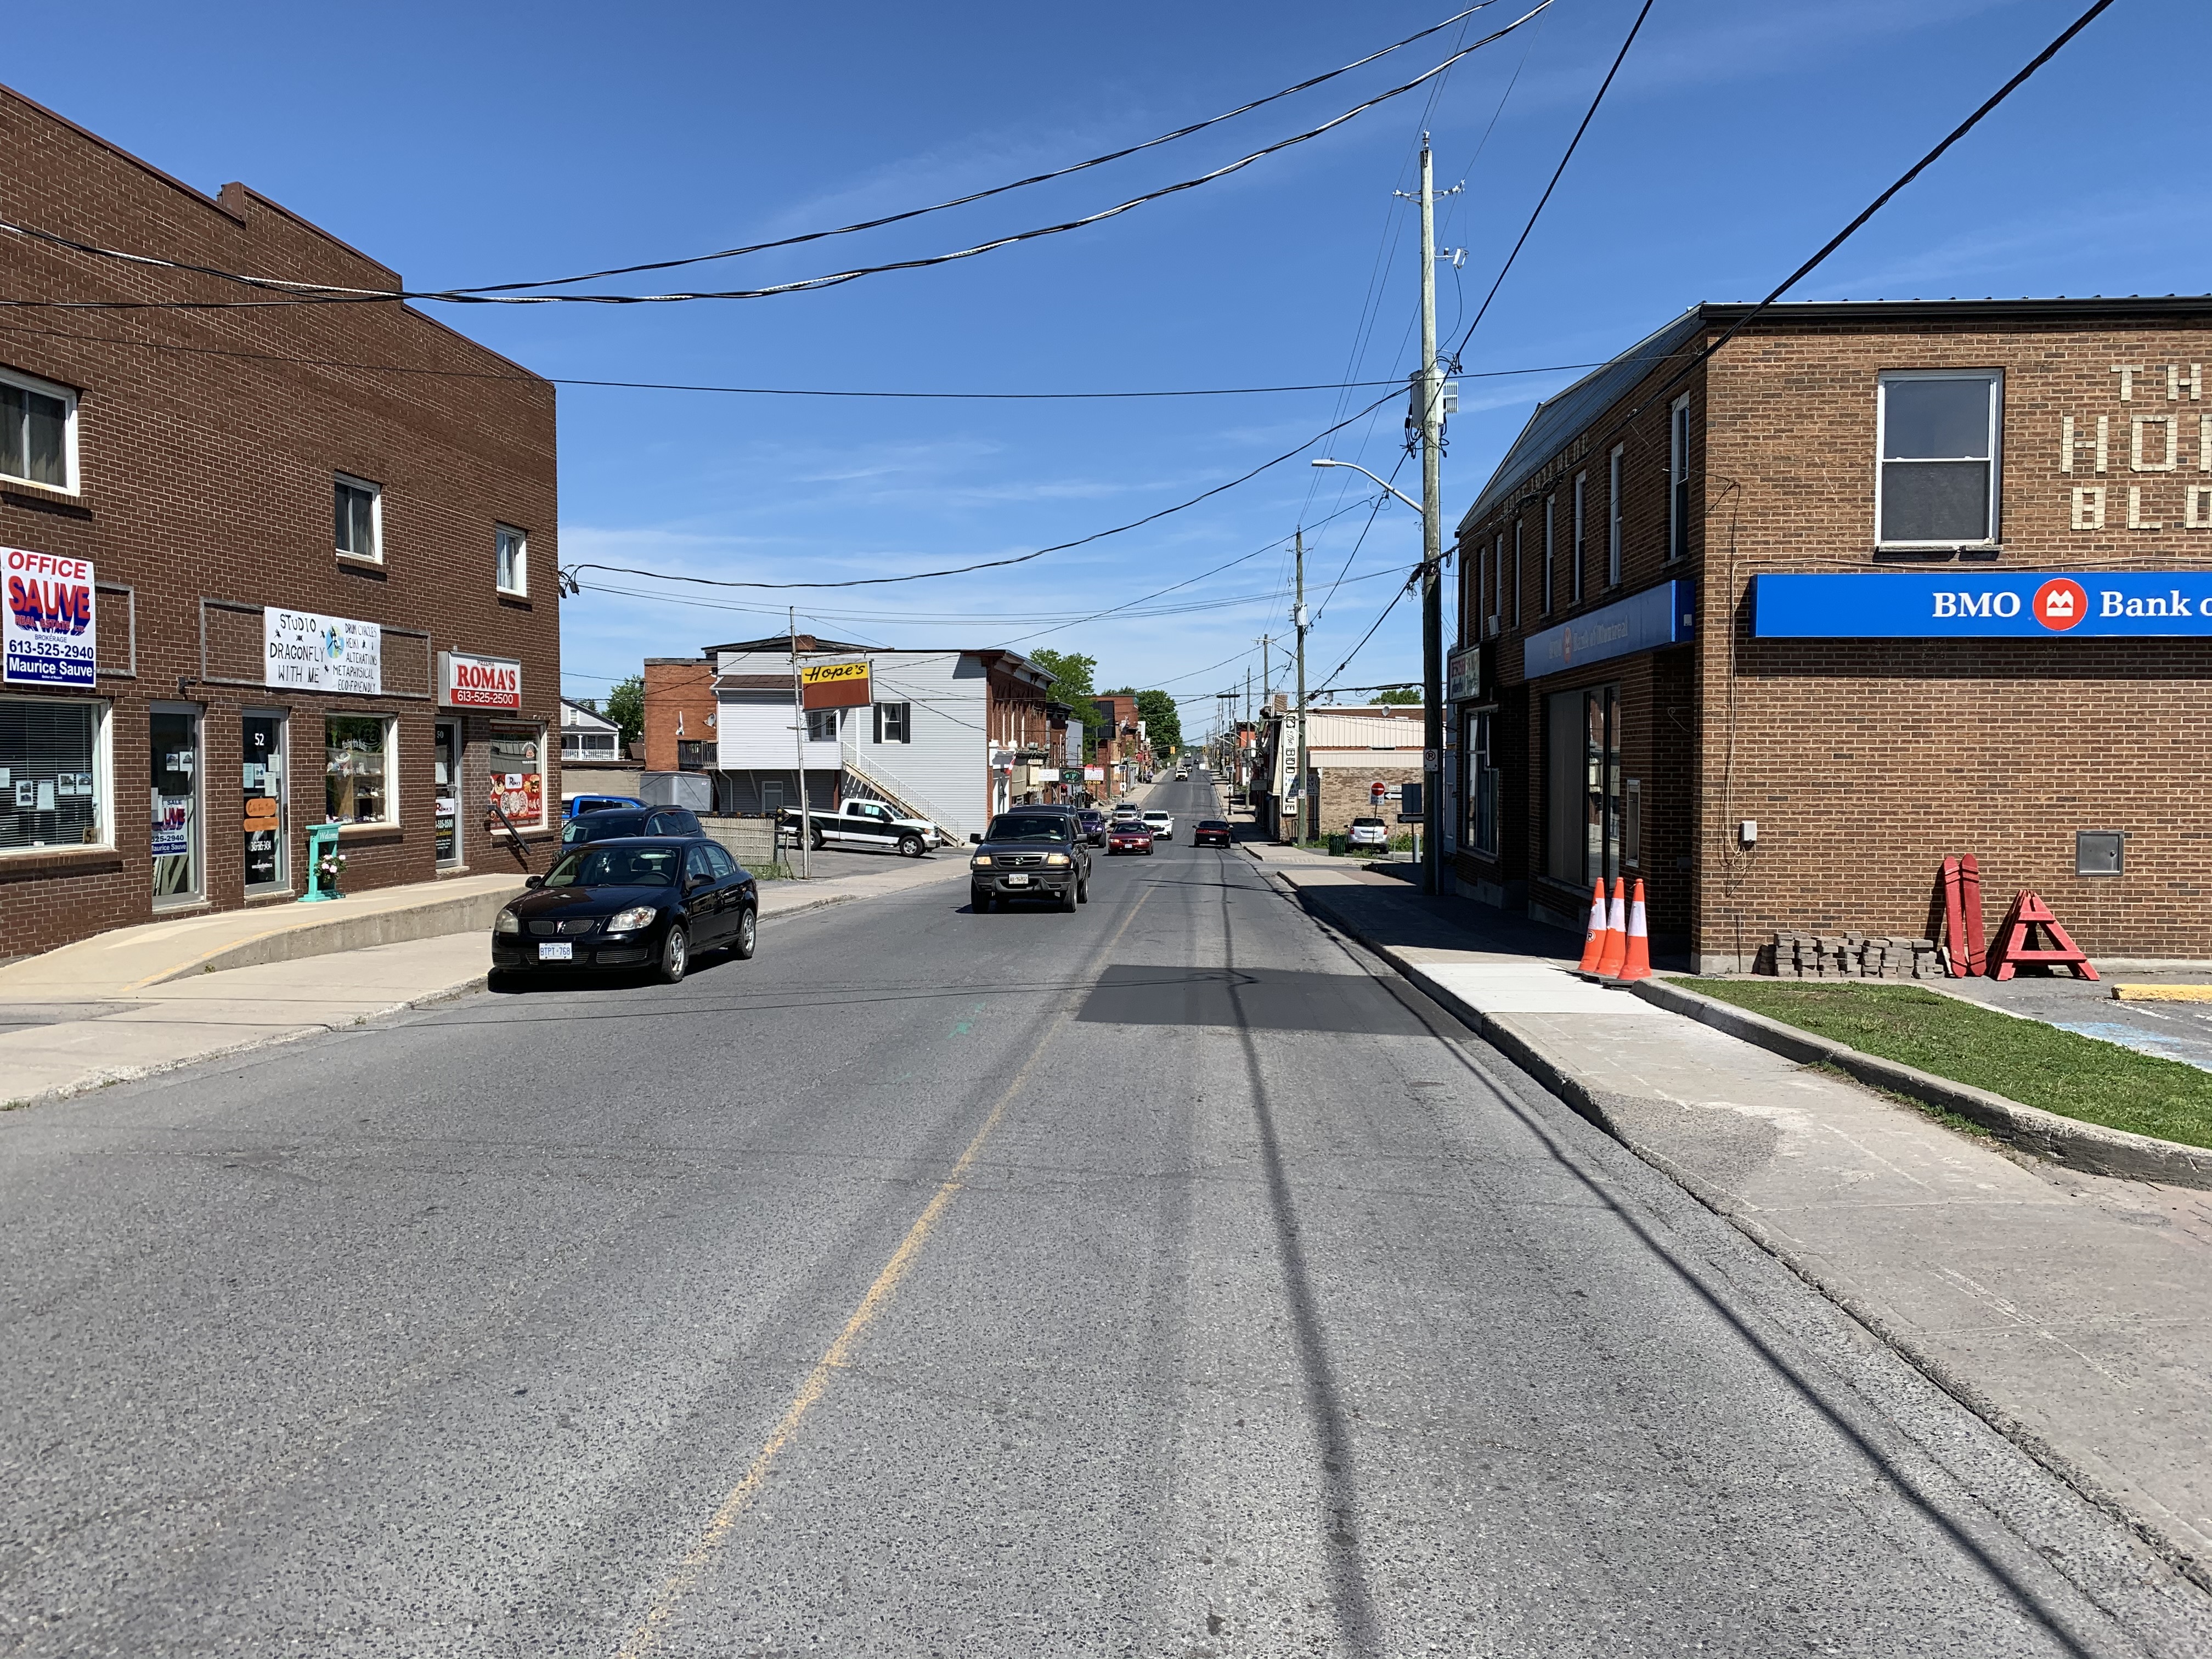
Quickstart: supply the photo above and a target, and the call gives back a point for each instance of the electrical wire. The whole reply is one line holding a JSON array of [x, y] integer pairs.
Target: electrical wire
[[989, 564], [295, 293], [1566, 157], [1363, 638]]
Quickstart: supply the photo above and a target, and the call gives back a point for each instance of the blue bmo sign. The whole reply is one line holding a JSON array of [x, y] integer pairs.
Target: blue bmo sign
[[1658, 616], [1969, 604]]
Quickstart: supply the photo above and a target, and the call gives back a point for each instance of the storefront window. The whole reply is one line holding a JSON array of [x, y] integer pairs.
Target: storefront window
[[1481, 791], [51, 793], [356, 772], [518, 776], [261, 747], [173, 738], [1581, 785]]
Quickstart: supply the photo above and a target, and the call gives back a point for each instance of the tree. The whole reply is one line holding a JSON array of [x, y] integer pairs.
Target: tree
[[626, 709], [1404, 694], [1071, 674], [1162, 723]]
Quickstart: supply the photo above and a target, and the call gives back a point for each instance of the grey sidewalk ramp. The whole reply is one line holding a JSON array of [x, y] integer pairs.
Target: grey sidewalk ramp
[[2072, 1311]]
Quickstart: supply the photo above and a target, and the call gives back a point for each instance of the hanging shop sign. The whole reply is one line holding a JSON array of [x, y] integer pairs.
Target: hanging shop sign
[[834, 685], [50, 634], [1464, 674], [1094, 774], [466, 682], [1969, 604], [1664, 615], [321, 654]]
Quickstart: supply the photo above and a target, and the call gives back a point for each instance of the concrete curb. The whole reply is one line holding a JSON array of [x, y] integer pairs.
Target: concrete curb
[[98, 1080], [2086, 1146], [464, 913]]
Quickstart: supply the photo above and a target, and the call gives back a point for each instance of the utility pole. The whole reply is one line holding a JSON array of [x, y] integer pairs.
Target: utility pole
[[1267, 673], [799, 731], [1432, 516], [1306, 828]]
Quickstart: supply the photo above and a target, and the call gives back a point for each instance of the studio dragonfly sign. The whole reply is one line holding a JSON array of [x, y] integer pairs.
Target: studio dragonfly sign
[[321, 654]]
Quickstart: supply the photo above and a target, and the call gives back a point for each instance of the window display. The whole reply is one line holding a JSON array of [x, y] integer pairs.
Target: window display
[[355, 776], [49, 774], [518, 776]]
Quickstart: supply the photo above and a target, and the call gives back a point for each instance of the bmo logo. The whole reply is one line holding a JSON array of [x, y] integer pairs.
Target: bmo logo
[[2059, 603], [466, 682]]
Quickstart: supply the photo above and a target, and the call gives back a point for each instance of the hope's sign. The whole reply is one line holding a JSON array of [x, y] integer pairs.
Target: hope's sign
[[1969, 604], [834, 685], [49, 636]]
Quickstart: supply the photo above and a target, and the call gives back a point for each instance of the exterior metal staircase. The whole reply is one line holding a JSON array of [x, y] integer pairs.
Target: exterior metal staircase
[[866, 785]]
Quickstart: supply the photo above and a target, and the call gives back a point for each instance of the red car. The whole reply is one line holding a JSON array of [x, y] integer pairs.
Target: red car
[[1128, 838], [1210, 832]]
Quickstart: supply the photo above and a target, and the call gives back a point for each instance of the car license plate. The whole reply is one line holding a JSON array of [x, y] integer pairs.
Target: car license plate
[[1018, 881], [563, 951]]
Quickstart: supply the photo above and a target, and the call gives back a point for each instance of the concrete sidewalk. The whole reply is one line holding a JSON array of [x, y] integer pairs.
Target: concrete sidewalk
[[2072, 1312], [131, 1004]]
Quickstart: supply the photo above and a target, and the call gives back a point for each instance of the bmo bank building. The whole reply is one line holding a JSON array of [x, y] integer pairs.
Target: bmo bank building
[[1776, 631], [265, 570]]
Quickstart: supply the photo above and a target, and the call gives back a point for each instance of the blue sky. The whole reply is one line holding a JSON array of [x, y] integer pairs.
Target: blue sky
[[467, 145]]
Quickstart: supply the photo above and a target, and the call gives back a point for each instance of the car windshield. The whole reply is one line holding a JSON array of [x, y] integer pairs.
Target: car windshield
[[1367, 823], [1132, 830], [618, 866], [1028, 826]]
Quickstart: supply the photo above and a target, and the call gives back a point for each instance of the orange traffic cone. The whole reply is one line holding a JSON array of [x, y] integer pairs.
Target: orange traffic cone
[[1616, 933], [1637, 962], [1594, 945]]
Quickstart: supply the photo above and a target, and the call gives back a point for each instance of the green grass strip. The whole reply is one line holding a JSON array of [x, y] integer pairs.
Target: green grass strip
[[2023, 1060]]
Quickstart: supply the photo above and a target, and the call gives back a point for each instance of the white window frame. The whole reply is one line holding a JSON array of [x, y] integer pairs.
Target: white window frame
[[1580, 551], [375, 518], [1994, 378], [814, 719], [520, 587], [881, 735], [68, 395], [1518, 519], [1616, 464], [103, 781], [391, 724], [1678, 479]]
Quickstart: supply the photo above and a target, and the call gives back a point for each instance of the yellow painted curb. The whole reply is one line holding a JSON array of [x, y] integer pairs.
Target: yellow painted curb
[[2162, 994]]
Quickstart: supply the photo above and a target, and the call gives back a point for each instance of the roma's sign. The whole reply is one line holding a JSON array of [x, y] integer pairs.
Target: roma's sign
[[835, 686]]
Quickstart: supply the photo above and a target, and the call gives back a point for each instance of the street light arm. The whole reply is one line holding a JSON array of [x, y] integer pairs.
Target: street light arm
[[1386, 484]]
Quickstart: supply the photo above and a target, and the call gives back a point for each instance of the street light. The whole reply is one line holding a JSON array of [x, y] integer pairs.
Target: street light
[[1386, 484]]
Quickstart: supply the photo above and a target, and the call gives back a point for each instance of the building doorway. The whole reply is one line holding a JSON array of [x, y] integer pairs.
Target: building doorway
[[265, 776], [1581, 785], [446, 794], [174, 730]]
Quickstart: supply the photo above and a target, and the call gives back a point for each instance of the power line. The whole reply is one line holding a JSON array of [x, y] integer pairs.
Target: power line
[[1565, 156], [1363, 638], [989, 564], [295, 293]]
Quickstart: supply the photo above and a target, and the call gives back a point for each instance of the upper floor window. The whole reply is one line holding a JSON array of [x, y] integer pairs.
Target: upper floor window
[[1678, 478], [1937, 438], [38, 432], [511, 561], [1614, 464], [359, 514], [894, 723], [1581, 480], [822, 726]]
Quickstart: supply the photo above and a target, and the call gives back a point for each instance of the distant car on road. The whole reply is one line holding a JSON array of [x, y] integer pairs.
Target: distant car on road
[[1162, 824], [629, 902], [1029, 853], [1128, 835], [1369, 832], [618, 821], [1182, 777], [1210, 832], [1094, 826]]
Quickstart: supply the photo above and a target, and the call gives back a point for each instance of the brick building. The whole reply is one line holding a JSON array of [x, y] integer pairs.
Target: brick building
[[1875, 584], [680, 712], [302, 552]]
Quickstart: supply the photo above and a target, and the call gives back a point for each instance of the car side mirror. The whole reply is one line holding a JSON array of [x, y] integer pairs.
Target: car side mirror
[[975, 841], [693, 882], [533, 881]]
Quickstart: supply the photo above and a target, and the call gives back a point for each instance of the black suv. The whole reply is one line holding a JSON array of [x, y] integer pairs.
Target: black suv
[[1031, 852], [625, 821]]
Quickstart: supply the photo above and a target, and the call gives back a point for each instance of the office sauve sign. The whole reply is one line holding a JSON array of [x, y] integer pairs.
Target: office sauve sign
[[1969, 604]]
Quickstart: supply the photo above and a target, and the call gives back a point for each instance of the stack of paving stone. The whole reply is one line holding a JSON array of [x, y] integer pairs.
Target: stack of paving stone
[[1854, 956]]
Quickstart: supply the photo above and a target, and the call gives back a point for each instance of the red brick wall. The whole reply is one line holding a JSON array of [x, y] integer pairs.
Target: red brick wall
[[207, 446], [678, 691]]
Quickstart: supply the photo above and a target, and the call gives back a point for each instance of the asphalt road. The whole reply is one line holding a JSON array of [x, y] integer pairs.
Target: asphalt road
[[1158, 1279]]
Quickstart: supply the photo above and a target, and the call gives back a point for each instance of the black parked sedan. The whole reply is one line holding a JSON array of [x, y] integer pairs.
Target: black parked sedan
[[631, 903]]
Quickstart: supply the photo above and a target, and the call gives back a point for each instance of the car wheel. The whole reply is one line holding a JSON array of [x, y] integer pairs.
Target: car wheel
[[674, 955], [748, 935], [820, 840], [1067, 900], [979, 901], [1083, 891], [911, 846]]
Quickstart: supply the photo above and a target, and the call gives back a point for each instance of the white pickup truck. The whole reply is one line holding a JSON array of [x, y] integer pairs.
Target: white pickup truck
[[870, 824]]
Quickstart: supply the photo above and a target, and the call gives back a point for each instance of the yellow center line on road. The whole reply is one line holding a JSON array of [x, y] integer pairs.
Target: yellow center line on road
[[647, 1633]]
